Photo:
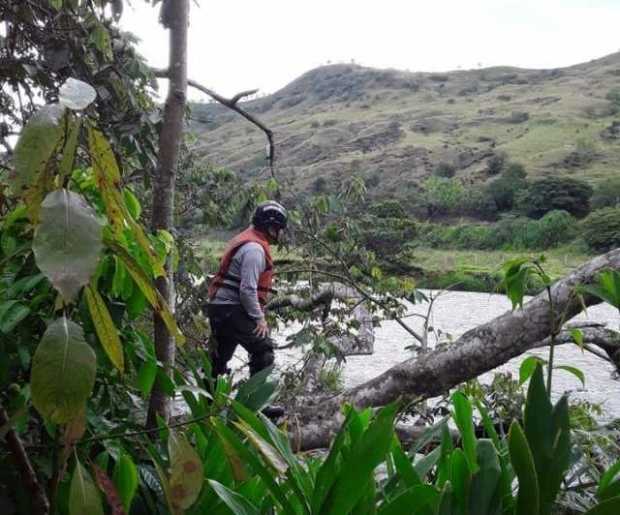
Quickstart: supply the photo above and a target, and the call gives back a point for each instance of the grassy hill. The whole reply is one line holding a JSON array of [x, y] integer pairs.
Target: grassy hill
[[395, 127]]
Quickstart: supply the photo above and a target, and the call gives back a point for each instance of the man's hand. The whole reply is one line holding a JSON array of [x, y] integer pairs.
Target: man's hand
[[262, 329]]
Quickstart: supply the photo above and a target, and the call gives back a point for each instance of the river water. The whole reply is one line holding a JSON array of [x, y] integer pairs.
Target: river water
[[457, 312]]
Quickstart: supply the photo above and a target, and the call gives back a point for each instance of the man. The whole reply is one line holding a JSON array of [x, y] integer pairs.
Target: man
[[238, 293]]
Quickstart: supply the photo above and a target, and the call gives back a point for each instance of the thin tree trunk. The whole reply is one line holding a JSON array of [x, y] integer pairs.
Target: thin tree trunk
[[177, 19], [40, 503], [477, 351]]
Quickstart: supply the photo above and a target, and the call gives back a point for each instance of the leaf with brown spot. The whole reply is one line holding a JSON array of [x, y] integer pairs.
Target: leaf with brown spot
[[107, 487], [186, 475]]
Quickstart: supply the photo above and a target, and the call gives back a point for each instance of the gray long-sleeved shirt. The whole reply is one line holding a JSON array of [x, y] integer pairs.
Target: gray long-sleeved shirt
[[247, 264]]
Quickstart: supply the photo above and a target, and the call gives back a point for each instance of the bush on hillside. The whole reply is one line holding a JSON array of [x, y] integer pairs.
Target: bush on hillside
[[601, 230], [496, 163], [387, 209], [504, 188], [606, 194], [553, 193], [445, 170], [478, 203], [387, 236], [553, 229], [441, 195]]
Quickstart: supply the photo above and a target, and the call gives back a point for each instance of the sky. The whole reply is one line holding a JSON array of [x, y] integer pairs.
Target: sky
[[236, 45]]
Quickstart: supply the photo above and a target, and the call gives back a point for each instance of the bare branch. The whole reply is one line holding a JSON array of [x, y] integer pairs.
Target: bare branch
[[231, 103]]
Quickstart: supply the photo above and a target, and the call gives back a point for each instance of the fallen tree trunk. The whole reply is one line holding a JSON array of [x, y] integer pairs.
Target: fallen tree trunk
[[477, 351]]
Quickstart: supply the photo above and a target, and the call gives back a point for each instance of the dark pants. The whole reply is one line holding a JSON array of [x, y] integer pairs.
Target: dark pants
[[231, 326]]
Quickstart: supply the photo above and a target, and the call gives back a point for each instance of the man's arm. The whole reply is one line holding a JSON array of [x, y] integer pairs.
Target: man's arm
[[253, 264]]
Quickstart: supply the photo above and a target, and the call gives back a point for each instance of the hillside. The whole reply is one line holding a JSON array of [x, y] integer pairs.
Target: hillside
[[395, 127]]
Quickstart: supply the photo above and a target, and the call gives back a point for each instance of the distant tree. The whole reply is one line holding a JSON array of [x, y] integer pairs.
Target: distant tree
[[496, 163], [601, 230], [552, 193], [606, 194], [503, 189]]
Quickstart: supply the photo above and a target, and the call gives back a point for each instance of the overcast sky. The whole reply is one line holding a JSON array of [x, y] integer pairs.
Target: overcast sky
[[242, 44]]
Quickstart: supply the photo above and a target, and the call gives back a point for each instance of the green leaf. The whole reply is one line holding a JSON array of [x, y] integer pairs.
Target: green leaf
[[100, 37], [35, 146], [68, 152], [577, 336], [105, 328], [523, 464], [76, 95], [516, 273], [364, 457], [270, 455], [527, 368], [12, 313], [83, 494], [419, 500], [485, 494], [573, 370], [460, 479], [608, 507], [67, 244], [106, 485], [257, 391], [607, 478], [132, 203], [186, 474], [126, 480], [63, 372], [463, 417], [238, 504], [146, 376]]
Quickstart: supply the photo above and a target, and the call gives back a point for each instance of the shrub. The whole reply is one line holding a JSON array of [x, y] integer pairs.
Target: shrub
[[613, 95], [606, 194], [496, 163], [442, 195], [387, 209], [551, 230], [553, 193], [445, 170], [477, 202], [320, 185], [601, 230]]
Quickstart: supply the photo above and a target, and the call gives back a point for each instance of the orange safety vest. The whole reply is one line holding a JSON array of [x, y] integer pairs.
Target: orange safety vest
[[264, 280]]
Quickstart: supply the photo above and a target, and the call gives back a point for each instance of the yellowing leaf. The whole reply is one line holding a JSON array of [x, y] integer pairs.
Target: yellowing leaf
[[63, 372], [108, 178], [105, 328], [83, 494], [146, 287], [266, 449], [186, 474], [67, 244]]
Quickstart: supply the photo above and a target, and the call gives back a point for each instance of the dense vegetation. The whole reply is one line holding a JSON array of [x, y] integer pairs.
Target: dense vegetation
[[79, 360]]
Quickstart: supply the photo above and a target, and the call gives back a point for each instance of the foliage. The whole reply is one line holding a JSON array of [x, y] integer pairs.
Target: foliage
[[606, 193], [441, 195], [445, 170], [548, 194], [601, 229], [504, 188]]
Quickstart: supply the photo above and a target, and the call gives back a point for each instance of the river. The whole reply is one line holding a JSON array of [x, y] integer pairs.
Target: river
[[457, 312]]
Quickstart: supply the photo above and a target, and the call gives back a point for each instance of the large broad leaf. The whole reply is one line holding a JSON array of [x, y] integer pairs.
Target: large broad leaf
[[186, 474], [238, 504], [67, 244], [106, 485], [63, 372], [12, 313], [105, 328], [419, 499], [608, 507], [35, 146], [76, 95], [83, 495], [523, 463]]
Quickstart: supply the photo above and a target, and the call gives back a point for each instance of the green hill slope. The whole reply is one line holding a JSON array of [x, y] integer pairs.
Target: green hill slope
[[395, 127]]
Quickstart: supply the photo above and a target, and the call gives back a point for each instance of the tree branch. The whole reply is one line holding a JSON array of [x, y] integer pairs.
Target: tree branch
[[477, 351], [232, 103]]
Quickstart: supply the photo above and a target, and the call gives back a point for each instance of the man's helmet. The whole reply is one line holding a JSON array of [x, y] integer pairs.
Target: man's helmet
[[270, 214]]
